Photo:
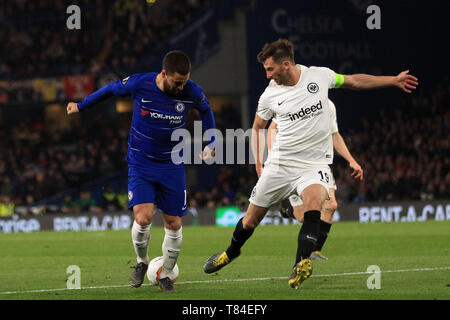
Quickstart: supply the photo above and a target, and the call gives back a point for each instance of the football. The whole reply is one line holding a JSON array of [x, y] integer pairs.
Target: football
[[154, 270]]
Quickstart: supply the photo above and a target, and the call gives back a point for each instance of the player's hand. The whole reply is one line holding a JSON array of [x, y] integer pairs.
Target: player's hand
[[259, 169], [72, 107], [207, 153], [405, 81], [358, 172]]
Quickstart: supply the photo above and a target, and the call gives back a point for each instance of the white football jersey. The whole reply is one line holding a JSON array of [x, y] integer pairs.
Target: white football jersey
[[303, 118]]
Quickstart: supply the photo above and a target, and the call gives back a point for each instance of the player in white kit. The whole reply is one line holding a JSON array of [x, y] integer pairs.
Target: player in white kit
[[293, 206], [297, 98]]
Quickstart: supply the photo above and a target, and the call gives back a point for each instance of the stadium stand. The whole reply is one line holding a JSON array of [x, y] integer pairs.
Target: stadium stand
[[101, 45], [405, 153]]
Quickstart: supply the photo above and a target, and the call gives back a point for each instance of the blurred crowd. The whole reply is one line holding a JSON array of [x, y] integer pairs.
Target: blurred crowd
[[233, 188], [405, 154], [36, 42], [39, 161]]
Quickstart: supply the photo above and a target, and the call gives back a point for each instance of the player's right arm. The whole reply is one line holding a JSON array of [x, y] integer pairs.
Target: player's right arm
[[258, 142], [120, 87]]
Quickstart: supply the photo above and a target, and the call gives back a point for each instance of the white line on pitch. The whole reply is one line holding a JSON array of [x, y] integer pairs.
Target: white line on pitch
[[232, 280]]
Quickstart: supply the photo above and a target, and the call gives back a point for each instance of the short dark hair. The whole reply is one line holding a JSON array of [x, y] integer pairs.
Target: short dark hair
[[176, 61], [279, 50]]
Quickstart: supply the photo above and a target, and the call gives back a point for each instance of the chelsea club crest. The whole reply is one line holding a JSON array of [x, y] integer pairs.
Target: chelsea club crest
[[180, 107]]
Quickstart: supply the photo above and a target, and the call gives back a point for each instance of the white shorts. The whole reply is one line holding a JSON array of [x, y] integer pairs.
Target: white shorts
[[279, 182], [295, 200]]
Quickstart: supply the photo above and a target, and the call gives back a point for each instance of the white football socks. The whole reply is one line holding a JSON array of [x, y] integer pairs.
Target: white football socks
[[171, 249], [141, 238]]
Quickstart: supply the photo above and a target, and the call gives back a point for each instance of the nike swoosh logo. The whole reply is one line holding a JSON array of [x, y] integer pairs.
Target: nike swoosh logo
[[280, 103], [308, 237], [146, 100]]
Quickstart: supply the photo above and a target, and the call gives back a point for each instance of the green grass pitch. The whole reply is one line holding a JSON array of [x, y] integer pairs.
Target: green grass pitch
[[413, 258]]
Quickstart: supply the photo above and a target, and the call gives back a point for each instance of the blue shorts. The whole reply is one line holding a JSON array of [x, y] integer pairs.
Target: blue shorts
[[165, 187]]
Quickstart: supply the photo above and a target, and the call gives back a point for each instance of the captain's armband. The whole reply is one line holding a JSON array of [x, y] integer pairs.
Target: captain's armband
[[339, 80]]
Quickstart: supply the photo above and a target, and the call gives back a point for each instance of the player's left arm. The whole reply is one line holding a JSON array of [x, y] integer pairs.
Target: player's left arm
[[207, 117], [362, 81], [258, 142], [341, 147], [271, 134]]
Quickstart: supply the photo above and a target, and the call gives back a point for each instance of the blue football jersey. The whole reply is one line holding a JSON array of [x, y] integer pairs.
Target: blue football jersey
[[155, 115]]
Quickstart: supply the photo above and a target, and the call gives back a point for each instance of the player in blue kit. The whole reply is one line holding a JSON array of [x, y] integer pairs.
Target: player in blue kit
[[161, 104]]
